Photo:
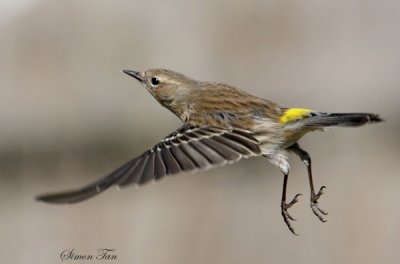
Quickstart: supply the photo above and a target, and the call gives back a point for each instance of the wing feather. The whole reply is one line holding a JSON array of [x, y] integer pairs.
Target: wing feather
[[197, 158], [227, 153], [160, 170], [135, 172], [211, 155], [170, 162], [184, 161], [187, 149], [148, 171]]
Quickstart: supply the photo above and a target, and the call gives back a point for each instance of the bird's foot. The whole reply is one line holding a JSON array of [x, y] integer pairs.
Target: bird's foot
[[286, 216], [320, 213]]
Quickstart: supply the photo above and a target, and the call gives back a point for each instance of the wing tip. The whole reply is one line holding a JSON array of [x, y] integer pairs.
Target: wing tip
[[67, 197], [41, 198], [52, 198]]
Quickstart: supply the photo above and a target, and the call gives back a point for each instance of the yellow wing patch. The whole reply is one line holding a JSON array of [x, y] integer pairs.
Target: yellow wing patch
[[293, 114]]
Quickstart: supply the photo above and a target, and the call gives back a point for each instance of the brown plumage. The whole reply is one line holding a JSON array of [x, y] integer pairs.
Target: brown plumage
[[221, 124]]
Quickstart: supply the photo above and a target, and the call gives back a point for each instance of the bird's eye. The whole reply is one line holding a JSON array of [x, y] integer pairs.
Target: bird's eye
[[154, 81]]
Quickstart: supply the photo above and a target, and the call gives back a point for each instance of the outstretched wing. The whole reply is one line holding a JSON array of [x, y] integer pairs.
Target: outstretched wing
[[186, 150]]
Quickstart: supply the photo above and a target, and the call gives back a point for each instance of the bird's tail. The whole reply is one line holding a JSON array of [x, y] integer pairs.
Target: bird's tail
[[341, 119]]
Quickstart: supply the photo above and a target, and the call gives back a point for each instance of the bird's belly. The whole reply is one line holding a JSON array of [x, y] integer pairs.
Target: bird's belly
[[291, 137]]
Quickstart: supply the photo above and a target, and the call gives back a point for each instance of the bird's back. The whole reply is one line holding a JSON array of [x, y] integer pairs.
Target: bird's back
[[222, 105]]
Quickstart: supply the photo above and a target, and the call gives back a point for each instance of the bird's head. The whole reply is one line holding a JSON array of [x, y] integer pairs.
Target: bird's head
[[168, 87]]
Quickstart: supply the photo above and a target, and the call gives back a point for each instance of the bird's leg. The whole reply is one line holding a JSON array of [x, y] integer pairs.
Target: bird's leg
[[285, 206], [315, 196], [305, 157]]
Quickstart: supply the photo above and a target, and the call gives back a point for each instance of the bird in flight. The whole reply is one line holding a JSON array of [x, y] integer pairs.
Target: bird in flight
[[221, 125]]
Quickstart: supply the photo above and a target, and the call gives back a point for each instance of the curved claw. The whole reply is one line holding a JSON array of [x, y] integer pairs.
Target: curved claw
[[294, 200], [320, 192], [315, 207], [285, 214], [287, 217], [318, 212]]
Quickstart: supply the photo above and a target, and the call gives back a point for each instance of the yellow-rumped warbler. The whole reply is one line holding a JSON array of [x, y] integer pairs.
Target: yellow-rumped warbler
[[222, 124]]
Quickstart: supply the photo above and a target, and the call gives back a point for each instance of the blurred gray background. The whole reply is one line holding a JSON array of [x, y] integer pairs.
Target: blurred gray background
[[68, 116]]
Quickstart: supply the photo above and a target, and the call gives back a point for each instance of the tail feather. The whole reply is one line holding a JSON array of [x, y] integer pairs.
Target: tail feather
[[341, 119]]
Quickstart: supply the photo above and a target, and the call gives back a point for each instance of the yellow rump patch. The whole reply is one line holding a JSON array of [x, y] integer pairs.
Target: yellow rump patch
[[293, 114]]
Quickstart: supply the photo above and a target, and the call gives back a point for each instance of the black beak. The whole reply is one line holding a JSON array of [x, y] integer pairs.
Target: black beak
[[134, 74]]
